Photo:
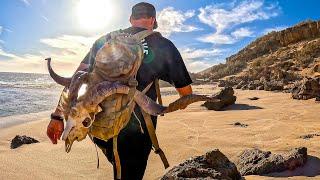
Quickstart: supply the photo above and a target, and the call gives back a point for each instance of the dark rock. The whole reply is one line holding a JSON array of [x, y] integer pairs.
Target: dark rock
[[260, 87], [253, 98], [273, 86], [20, 140], [309, 136], [226, 96], [240, 124], [212, 165], [308, 88], [257, 162], [252, 86]]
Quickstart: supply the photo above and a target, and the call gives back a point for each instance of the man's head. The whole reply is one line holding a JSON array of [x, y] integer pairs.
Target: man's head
[[144, 15]]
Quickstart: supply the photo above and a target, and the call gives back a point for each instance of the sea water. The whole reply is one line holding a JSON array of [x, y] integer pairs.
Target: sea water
[[24, 93]]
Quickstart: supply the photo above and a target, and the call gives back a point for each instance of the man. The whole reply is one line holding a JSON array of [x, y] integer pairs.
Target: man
[[162, 60]]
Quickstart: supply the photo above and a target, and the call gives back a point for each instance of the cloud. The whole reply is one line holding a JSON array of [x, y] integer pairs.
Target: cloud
[[26, 2], [199, 59], [1, 29], [279, 28], [45, 18], [217, 38], [242, 32], [66, 51], [197, 66], [171, 20], [224, 17]]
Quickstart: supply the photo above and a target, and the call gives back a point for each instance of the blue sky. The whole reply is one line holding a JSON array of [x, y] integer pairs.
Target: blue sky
[[205, 32]]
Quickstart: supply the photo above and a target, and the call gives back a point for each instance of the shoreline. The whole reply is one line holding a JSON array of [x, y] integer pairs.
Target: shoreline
[[14, 120]]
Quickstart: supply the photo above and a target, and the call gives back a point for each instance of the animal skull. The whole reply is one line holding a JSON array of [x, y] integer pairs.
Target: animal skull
[[78, 124]]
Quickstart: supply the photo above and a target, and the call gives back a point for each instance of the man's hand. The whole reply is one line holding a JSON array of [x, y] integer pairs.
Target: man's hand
[[54, 130]]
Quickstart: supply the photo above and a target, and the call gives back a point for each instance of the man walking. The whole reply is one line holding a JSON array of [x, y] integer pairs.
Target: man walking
[[162, 61]]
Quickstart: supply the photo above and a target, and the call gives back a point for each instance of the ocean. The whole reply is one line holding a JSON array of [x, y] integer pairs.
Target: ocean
[[24, 93]]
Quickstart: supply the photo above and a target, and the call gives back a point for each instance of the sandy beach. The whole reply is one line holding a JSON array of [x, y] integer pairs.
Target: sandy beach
[[275, 122]]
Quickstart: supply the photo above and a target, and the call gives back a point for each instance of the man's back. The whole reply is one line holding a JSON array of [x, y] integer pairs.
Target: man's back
[[162, 61]]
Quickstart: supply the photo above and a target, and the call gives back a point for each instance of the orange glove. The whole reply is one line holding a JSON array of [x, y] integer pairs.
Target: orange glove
[[54, 130]]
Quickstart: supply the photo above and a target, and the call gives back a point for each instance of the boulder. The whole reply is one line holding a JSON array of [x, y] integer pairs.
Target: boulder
[[308, 88], [212, 165], [226, 96], [258, 162], [20, 140]]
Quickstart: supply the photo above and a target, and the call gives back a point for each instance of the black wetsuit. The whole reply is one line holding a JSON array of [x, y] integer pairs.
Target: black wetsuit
[[163, 61]]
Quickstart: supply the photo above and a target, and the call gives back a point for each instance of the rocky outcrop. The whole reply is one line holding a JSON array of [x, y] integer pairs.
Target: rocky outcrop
[[212, 165], [227, 98], [274, 62], [21, 140], [258, 162]]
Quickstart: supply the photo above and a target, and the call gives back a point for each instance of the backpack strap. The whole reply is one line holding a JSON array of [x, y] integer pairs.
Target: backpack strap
[[143, 34], [154, 139]]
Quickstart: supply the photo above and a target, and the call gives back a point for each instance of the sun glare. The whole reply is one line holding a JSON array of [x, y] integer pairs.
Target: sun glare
[[94, 14]]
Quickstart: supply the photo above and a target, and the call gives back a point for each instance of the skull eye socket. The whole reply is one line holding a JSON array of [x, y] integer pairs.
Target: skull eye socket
[[87, 122]]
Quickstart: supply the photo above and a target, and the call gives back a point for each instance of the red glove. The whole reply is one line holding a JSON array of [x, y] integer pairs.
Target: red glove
[[54, 130]]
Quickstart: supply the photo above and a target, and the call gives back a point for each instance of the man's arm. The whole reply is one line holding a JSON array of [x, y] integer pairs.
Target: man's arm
[[56, 126], [184, 91]]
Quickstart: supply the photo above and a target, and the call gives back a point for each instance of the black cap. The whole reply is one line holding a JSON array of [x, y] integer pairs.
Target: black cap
[[144, 9]]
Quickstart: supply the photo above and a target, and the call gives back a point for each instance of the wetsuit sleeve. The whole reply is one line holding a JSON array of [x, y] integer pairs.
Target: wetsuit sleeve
[[177, 73]]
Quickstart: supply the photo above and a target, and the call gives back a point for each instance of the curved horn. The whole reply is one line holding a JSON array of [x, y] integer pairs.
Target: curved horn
[[77, 80], [103, 90], [58, 79], [147, 104], [151, 107]]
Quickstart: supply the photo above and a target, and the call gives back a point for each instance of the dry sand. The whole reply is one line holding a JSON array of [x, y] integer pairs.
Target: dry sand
[[275, 123]]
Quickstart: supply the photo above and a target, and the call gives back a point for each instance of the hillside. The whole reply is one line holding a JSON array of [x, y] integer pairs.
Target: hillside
[[283, 60]]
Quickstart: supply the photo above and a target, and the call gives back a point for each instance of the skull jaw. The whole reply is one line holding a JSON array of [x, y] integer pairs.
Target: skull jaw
[[68, 145], [71, 137]]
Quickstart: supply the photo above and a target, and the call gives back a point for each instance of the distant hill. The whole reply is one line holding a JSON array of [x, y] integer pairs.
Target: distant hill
[[294, 51], [287, 60]]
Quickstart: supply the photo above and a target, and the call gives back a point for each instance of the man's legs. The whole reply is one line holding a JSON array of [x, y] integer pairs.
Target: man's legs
[[134, 148]]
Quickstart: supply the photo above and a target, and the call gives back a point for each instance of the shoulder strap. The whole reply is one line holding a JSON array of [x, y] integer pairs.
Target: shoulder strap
[[154, 139], [143, 34]]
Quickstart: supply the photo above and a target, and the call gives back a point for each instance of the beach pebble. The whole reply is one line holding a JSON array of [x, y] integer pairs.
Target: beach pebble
[[253, 98], [309, 136], [240, 124], [20, 140]]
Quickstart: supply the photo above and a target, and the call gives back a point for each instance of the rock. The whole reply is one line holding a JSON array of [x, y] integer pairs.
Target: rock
[[308, 88], [252, 86], [309, 136], [20, 140], [226, 96], [253, 98], [260, 87], [273, 86], [257, 162], [240, 124], [212, 165]]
